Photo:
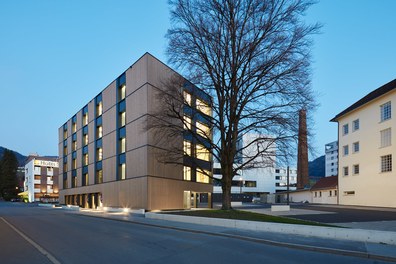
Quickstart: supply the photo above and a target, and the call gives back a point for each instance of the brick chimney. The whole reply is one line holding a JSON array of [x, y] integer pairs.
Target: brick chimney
[[302, 154]]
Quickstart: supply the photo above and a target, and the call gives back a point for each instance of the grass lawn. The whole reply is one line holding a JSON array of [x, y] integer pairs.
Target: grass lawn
[[250, 216]]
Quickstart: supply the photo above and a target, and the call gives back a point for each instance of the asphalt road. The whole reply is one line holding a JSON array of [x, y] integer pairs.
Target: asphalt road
[[33, 235]]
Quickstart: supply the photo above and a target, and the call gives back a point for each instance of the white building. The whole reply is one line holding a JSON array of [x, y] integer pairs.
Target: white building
[[331, 157], [281, 179], [366, 141], [41, 179]]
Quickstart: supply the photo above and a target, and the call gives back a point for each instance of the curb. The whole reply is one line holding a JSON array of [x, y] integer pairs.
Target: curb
[[361, 235]]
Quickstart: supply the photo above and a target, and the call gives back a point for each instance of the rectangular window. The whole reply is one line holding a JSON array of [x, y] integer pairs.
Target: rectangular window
[[74, 182], [202, 176], [187, 98], [356, 147], [122, 145], [345, 129], [349, 193], [99, 109], [85, 159], [99, 131], [316, 194], [122, 119], [186, 173], [74, 124], [330, 193], [74, 164], [203, 130], [202, 153], [346, 171], [187, 148], [85, 178], [99, 176], [203, 107], [355, 125], [386, 163], [99, 154], [122, 171], [122, 92], [187, 123], [386, 137], [74, 145], [386, 111], [345, 150], [65, 131], [85, 140], [356, 169]]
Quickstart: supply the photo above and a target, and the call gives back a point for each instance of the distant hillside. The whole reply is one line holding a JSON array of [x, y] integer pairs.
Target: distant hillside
[[317, 167], [21, 159]]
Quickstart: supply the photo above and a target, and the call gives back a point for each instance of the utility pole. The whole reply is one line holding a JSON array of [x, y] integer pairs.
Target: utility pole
[[288, 183]]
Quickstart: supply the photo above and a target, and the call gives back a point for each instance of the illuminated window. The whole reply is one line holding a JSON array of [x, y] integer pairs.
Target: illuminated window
[[122, 119], [74, 164], [86, 139], [202, 153], [186, 173], [122, 92], [122, 171], [187, 98], [203, 130], [203, 107], [386, 163], [85, 119], [187, 123], [187, 148], [99, 154], [99, 131], [74, 145], [85, 159], [99, 176], [202, 176], [122, 145], [99, 108], [74, 124]]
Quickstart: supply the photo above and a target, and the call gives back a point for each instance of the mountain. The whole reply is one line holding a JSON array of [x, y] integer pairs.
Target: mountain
[[317, 167], [21, 158]]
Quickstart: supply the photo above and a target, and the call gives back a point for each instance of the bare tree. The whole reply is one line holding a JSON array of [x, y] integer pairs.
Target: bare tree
[[253, 58]]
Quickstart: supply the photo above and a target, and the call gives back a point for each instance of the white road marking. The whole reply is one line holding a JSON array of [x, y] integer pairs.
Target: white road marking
[[34, 244]]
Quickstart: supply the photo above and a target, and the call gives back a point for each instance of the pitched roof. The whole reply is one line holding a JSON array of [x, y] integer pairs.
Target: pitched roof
[[369, 97], [326, 183]]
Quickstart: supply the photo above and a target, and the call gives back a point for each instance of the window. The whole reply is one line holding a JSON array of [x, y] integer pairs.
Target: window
[[85, 116], [250, 184], [85, 159], [99, 131], [330, 193], [277, 171], [122, 92], [202, 153], [356, 147], [386, 137], [65, 181], [356, 169], [187, 123], [85, 140], [203, 107], [203, 130], [316, 194], [85, 179], [122, 171], [99, 108], [349, 193], [187, 148], [122, 119], [99, 154], [99, 176], [74, 164], [74, 182], [320, 194], [345, 129], [355, 125], [187, 98], [346, 171], [202, 176], [186, 173], [65, 131], [74, 124], [345, 150], [335, 192], [386, 163], [122, 145], [386, 111]]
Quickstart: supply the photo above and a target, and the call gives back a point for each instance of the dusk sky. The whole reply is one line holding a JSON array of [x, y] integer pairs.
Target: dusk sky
[[55, 56]]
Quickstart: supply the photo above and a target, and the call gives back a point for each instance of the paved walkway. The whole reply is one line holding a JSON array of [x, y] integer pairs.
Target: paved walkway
[[352, 248]]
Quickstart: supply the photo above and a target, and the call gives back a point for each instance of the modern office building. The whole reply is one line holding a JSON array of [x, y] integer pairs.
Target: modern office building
[[331, 159], [281, 180], [365, 137], [41, 179], [109, 157]]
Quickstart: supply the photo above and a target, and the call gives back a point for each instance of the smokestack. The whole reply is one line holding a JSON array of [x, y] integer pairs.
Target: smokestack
[[302, 154]]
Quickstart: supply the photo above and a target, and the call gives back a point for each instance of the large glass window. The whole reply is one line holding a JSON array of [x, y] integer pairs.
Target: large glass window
[[187, 148], [202, 176], [386, 111], [386, 163], [187, 123], [203, 107], [186, 173], [202, 153], [386, 137], [203, 130]]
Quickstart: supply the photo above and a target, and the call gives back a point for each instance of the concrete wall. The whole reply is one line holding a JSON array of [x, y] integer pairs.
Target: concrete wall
[[371, 187], [326, 196]]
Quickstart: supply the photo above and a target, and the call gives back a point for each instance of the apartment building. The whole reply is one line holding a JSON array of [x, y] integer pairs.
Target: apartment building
[[365, 139], [281, 180], [331, 159], [41, 179], [110, 159]]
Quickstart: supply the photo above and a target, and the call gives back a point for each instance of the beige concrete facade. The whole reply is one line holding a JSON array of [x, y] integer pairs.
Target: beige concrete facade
[[148, 183], [366, 174]]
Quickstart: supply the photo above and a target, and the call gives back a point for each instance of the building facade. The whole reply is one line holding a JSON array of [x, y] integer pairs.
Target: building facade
[[110, 159], [331, 157], [41, 179], [281, 180], [365, 140]]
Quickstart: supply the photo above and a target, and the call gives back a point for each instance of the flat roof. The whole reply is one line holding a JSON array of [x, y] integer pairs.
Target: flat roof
[[369, 97]]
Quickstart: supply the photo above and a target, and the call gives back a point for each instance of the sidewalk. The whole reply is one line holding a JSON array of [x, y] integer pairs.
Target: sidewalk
[[333, 246]]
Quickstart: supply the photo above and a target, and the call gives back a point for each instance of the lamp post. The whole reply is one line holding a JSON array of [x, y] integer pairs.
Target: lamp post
[[240, 184]]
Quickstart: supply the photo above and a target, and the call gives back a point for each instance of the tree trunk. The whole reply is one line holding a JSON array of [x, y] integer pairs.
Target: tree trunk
[[226, 188]]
